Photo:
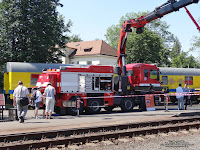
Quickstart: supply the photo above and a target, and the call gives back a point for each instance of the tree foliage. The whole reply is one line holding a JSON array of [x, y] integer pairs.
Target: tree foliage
[[176, 49], [181, 59], [29, 31], [184, 61], [74, 38], [152, 46], [144, 48], [196, 43]]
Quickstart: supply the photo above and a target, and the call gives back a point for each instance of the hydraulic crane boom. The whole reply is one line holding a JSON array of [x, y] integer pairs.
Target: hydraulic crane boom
[[190, 15], [139, 23]]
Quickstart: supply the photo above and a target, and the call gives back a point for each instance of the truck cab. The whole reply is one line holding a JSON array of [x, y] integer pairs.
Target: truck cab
[[142, 75]]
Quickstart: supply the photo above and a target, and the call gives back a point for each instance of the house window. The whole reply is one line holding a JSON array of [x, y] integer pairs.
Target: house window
[[88, 50], [96, 62], [189, 80], [164, 80], [89, 62], [82, 62]]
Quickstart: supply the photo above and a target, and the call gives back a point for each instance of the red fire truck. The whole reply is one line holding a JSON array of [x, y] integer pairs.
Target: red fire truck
[[96, 87], [108, 86]]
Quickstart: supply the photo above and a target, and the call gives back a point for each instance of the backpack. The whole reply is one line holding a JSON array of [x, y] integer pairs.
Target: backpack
[[33, 96]]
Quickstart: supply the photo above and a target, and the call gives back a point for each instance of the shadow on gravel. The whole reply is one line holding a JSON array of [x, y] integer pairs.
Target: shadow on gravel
[[67, 117], [35, 122]]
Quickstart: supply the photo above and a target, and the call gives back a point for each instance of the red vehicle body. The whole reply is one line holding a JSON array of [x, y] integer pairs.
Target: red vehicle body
[[140, 74], [94, 85], [108, 86]]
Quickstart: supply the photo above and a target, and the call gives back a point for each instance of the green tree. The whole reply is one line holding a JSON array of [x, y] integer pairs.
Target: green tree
[[144, 48], [181, 59], [184, 61], [74, 38], [196, 42], [29, 31], [151, 46], [176, 49]]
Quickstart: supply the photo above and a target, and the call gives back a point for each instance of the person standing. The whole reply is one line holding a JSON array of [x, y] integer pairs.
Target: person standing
[[38, 101], [186, 98], [44, 106], [179, 91], [20, 91], [49, 93]]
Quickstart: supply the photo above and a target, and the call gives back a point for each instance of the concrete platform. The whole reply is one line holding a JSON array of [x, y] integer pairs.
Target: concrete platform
[[116, 117]]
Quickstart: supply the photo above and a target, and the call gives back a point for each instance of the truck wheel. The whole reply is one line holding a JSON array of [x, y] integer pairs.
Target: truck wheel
[[127, 105], [94, 106], [74, 110]]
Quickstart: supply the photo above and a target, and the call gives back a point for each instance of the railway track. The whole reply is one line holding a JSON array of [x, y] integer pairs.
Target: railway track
[[66, 137]]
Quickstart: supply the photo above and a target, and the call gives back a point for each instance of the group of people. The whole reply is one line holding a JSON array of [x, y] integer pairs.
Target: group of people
[[180, 97], [22, 91]]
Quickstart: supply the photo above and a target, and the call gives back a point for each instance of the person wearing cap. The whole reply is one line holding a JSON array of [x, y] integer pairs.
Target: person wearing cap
[[20, 91], [38, 101], [49, 93]]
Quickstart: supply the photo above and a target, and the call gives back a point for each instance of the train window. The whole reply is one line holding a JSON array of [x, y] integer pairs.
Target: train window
[[164, 80], [146, 74], [34, 79], [189, 80], [153, 74]]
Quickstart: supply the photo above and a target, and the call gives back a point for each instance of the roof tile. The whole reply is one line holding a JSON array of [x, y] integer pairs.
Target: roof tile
[[98, 47]]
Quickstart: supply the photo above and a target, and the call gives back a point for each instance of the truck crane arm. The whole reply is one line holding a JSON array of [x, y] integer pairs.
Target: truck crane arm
[[139, 23], [190, 15]]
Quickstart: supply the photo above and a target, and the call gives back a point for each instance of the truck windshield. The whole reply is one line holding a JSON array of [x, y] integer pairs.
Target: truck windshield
[[154, 74]]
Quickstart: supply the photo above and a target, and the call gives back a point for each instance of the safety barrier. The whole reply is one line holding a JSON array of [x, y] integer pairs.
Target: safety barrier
[[2, 104], [166, 98], [165, 94]]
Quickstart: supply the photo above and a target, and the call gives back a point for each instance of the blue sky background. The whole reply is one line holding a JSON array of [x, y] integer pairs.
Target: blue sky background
[[91, 18]]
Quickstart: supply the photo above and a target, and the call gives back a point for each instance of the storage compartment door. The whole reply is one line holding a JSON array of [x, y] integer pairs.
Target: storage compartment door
[[69, 82]]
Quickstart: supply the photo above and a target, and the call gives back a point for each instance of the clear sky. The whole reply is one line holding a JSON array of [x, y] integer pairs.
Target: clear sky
[[91, 18]]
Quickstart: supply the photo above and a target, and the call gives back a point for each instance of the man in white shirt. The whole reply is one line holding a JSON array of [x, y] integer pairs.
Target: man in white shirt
[[179, 91], [20, 91], [49, 93]]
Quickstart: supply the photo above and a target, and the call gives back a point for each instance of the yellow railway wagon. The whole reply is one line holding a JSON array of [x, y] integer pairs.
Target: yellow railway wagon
[[26, 72], [172, 77]]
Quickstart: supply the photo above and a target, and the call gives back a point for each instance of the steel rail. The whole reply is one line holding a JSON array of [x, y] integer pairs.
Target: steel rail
[[103, 136], [68, 132]]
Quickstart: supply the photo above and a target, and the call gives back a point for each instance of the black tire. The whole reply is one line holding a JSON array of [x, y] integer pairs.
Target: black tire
[[74, 110], [93, 109], [127, 104]]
